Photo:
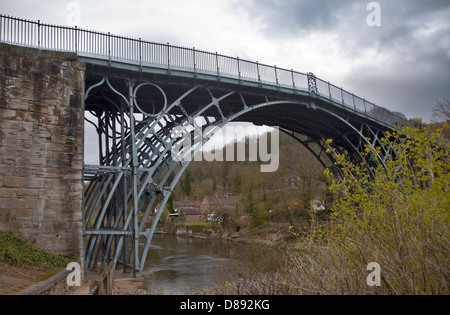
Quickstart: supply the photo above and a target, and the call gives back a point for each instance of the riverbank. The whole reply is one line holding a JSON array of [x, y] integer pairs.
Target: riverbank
[[269, 234], [16, 278]]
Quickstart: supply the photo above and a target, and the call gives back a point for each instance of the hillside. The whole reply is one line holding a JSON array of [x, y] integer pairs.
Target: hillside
[[283, 196]]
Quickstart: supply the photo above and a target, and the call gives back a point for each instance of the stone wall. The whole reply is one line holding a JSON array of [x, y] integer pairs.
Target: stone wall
[[41, 147]]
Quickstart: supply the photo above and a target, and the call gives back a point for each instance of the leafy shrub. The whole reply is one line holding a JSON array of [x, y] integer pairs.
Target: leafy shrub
[[398, 219]]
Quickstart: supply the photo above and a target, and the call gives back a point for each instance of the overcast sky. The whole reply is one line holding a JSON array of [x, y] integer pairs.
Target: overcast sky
[[403, 65]]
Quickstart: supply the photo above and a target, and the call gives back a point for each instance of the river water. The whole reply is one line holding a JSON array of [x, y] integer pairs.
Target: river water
[[178, 265]]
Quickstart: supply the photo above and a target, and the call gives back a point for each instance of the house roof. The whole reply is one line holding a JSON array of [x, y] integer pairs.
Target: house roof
[[220, 200], [192, 211], [185, 203]]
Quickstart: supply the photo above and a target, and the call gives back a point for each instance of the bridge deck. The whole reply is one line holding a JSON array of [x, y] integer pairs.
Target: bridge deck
[[180, 63]]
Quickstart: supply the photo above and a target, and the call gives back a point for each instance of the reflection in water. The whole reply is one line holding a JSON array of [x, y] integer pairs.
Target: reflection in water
[[176, 265]]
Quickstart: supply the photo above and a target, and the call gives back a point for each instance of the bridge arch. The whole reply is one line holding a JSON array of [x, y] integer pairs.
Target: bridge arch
[[137, 160], [179, 85]]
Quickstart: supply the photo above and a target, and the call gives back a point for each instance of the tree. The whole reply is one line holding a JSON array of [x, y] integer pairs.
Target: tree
[[441, 111], [185, 183], [398, 220]]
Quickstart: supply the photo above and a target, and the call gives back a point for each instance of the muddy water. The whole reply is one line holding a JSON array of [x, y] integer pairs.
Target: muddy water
[[179, 265]]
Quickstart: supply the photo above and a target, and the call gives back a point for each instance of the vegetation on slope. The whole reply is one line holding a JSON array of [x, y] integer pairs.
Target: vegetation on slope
[[17, 252]]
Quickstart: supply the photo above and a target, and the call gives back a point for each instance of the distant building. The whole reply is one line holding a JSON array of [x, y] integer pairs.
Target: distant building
[[213, 204], [193, 215], [189, 210], [205, 209], [185, 204]]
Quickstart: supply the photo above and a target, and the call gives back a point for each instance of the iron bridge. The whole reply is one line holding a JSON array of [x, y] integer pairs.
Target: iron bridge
[[139, 92]]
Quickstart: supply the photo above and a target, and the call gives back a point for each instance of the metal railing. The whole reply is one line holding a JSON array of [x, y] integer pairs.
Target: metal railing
[[115, 48]]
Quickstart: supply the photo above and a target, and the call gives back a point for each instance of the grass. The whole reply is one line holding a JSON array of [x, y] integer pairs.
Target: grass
[[18, 252]]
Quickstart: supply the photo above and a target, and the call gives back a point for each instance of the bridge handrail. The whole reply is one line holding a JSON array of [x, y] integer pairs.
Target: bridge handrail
[[142, 53]]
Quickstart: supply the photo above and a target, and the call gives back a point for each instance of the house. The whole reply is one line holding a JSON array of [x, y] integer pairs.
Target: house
[[193, 215], [216, 203], [189, 210], [185, 204]]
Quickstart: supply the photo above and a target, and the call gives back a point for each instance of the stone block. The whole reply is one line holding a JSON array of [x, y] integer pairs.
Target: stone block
[[5, 215], [48, 172], [34, 182], [27, 193], [24, 115], [7, 169], [38, 205], [25, 171], [13, 182], [9, 125], [57, 194], [12, 203], [8, 192], [24, 215], [7, 114]]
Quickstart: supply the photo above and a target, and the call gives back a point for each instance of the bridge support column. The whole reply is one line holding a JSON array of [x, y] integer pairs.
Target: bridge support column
[[41, 147]]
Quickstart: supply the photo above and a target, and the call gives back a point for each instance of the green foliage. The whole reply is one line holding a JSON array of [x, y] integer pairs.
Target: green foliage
[[17, 252], [186, 182], [399, 219]]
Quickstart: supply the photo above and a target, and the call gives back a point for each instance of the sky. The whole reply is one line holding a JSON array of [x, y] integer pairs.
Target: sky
[[401, 63], [395, 53]]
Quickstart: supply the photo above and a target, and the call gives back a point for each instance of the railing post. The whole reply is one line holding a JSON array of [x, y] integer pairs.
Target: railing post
[[239, 71], [342, 96], [76, 40], [140, 54], [276, 77], [1, 27], [39, 34], [109, 49], [218, 68], [293, 81], [259, 74], [195, 63], [168, 59]]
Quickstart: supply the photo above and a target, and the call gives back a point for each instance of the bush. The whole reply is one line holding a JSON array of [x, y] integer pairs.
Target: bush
[[399, 220]]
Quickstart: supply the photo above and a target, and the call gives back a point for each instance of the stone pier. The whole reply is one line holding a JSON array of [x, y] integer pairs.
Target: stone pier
[[41, 147]]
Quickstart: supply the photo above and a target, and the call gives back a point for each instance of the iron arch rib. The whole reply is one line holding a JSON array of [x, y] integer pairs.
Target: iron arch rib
[[138, 169]]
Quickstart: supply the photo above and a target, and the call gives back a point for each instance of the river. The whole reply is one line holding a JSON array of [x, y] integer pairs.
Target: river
[[177, 265]]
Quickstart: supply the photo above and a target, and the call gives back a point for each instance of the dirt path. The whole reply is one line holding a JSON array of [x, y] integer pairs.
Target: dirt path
[[16, 279]]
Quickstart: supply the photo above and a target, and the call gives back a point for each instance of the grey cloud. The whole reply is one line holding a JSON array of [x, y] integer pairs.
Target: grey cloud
[[287, 17], [415, 74]]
